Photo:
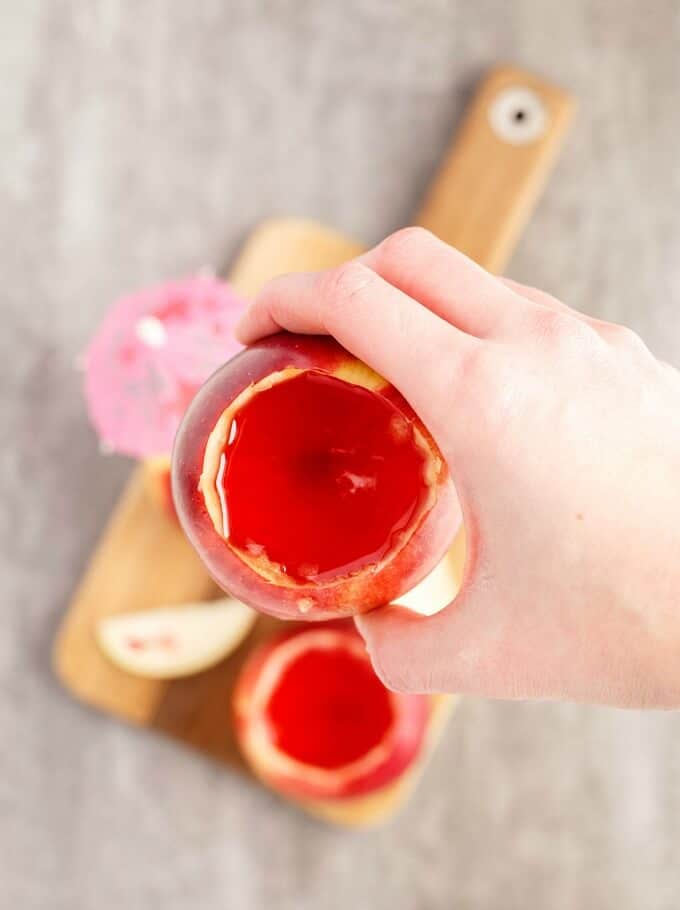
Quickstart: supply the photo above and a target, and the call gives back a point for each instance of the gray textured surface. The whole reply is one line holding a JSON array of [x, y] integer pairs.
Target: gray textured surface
[[141, 139]]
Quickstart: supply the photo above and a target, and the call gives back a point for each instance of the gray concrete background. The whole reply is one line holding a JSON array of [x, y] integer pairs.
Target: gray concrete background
[[141, 139]]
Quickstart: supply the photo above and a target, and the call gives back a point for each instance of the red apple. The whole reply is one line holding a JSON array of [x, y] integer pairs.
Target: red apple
[[308, 485], [314, 721]]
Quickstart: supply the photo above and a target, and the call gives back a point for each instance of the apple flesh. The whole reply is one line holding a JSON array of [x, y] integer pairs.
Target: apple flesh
[[434, 592], [315, 722], [177, 641], [308, 485]]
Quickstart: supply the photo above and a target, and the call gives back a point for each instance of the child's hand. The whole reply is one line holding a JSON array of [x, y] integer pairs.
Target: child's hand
[[563, 437]]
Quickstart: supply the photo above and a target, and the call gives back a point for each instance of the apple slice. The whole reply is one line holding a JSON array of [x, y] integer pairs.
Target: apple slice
[[170, 642], [435, 591]]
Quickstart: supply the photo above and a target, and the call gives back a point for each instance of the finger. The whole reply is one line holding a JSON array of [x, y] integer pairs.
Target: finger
[[274, 309], [609, 331], [375, 321], [398, 643], [543, 299], [447, 652], [462, 648], [445, 281]]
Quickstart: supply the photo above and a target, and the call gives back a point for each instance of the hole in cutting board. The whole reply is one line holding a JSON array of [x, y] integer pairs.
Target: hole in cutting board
[[518, 116]]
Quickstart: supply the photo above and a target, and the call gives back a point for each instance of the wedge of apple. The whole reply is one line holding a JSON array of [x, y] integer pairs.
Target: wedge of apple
[[171, 642], [435, 591]]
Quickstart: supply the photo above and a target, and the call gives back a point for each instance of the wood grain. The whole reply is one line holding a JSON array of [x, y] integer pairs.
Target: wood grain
[[486, 187], [479, 201], [142, 561]]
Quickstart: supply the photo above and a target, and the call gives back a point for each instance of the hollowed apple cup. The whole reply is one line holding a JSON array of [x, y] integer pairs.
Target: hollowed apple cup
[[314, 721], [307, 483]]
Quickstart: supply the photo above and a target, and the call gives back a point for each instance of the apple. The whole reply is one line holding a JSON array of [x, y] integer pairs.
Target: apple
[[176, 641], [435, 591], [308, 485], [314, 721]]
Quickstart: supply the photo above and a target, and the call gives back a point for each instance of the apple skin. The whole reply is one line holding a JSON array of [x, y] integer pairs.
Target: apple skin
[[407, 741], [341, 597]]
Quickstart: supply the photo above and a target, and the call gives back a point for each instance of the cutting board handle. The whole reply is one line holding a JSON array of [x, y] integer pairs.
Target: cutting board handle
[[490, 179]]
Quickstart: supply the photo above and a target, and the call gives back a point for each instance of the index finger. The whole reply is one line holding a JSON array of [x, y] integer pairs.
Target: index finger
[[394, 334]]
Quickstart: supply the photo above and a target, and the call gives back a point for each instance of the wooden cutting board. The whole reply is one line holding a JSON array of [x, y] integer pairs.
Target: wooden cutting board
[[479, 201]]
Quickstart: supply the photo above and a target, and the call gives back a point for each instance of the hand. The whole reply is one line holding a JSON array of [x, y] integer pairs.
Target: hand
[[563, 437]]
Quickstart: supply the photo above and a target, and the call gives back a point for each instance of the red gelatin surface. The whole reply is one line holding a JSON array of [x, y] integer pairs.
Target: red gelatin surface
[[329, 709], [321, 476]]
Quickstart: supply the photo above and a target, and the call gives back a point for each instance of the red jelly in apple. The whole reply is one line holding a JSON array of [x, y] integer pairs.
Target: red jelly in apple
[[321, 476], [315, 722], [329, 709], [307, 483]]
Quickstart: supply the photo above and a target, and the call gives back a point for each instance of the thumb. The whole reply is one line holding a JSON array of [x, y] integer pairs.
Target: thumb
[[428, 654]]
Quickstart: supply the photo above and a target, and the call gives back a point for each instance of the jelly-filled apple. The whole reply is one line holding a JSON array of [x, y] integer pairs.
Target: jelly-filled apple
[[315, 722], [307, 483]]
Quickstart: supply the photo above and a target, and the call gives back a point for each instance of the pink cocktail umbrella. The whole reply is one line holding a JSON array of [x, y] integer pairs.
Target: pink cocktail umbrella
[[152, 352]]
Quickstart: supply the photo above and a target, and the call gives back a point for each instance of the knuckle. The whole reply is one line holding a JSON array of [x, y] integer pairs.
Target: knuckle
[[549, 324], [484, 391], [561, 329], [465, 387], [344, 281], [468, 377], [340, 287], [401, 243], [621, 336]]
